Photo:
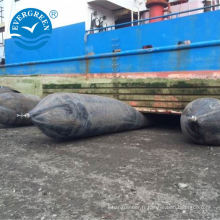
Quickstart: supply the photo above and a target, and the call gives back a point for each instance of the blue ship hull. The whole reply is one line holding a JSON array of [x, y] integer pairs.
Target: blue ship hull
[[71, 50]]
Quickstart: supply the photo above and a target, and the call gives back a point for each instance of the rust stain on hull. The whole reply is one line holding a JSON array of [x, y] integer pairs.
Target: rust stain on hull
[[164, 92], [187, 75], [158, 92]]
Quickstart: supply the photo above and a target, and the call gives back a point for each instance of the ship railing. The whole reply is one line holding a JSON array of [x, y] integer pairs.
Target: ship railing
[[146, 20]]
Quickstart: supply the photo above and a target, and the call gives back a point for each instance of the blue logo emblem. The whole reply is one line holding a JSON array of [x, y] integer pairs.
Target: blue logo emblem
[[31, 28]]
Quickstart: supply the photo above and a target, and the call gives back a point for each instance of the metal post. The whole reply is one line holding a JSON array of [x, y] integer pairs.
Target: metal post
[[206, 4], [132, 18]]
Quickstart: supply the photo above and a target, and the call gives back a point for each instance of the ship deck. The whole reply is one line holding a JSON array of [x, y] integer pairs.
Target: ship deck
[[130, 175]]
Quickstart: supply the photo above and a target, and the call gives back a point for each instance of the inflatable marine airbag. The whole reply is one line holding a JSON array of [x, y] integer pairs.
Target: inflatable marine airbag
[[200, 121], [70, 115]]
